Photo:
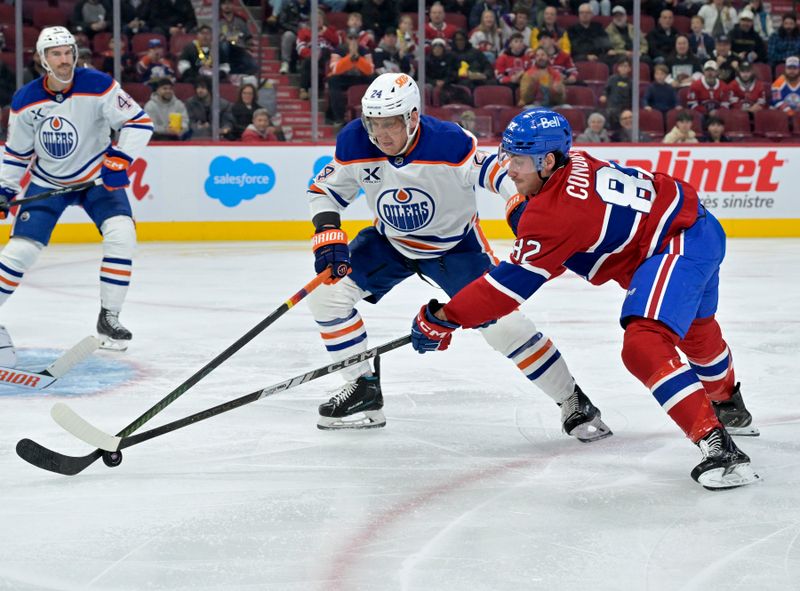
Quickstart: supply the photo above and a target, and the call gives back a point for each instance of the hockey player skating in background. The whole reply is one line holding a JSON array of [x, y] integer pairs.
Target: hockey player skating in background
[[649, 233], [64, 119], [418, 174]]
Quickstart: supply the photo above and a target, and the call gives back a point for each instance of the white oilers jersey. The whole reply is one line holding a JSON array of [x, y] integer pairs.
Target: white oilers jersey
[[69, 132], [423, 201]]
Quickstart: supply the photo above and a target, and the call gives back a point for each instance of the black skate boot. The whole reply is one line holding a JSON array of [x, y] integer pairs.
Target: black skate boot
[[581, 419], [113, 335], [724, 465], [357, 406], [733, 414]]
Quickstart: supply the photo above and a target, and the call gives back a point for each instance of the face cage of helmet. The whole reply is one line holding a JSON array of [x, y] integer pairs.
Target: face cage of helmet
[[393, 135], [58, 60]]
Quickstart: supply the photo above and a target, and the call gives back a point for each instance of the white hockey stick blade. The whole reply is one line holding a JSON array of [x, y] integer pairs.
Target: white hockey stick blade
[[73, 357], [25, 379], [82, 429]]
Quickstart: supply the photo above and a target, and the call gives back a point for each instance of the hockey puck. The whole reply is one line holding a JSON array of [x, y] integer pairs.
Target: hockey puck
[[112, 458]]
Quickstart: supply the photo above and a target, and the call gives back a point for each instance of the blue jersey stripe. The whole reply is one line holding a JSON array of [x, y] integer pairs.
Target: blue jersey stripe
[[346, 344], [114, 281], [13, 163], [27, 154], [137, 126], [545, 366], [11, 271], [92, 161], [336, 321], [672, 217], [487, 163], [117, 261], [518, 279], [529, 343]]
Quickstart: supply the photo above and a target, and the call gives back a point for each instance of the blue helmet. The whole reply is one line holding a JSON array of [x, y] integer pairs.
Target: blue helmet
[[536, 133]]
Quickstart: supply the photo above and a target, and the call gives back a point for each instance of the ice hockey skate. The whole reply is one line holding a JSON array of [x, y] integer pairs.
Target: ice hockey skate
[[357, 405], [113, 336], [581, 419], [724, 465], [733, 414]]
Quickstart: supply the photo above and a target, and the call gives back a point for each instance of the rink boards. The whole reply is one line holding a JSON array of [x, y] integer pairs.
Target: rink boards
[[236, 192]]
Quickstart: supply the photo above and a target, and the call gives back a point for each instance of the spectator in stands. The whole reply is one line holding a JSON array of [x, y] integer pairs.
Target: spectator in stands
[[169, 115], [595, 132], [386, 56], [498, 7], [81, 38], [746, 43], [243, 109], [328, 39], [128, 62], [624, 131], [462, 7], [517, 23], [727, 61], [559, 59], [715, 132], [541, 83], [682, 133], [169, 17], [195, 58], [233, 27], [294, 15], [486, 37], [132, 21], [708, 94], [198, 107], [762, 19], [747, 92], [84, 59], [261, 129], [153, 64], [617, 94], [550, 26], [406, 37], [351, 65], [437, 28], [355, 24], [701, 44], [34, 69], [719, 17], [8, 85], [660, 95], [785, 41], [512, 62], [243, 57], [677, 7], [786, 89], [379, 16], [621, 34], [441, 70], [661, 40], [92, 15], [587, 37], [473, 67], [682, 64]]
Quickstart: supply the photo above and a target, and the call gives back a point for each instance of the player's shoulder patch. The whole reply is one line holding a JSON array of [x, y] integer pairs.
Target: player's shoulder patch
[[442, 141], [32, 92], [89, 81], [353, 144]]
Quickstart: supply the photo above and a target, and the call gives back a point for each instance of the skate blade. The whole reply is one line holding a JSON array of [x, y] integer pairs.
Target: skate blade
[[748, 431], [725, 478], [371, 419], [593, 430], [110, 344]]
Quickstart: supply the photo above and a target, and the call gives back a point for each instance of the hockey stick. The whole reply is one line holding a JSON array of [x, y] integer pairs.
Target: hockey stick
[[39, 380], [41, 457], [56, 193], [75, 465]]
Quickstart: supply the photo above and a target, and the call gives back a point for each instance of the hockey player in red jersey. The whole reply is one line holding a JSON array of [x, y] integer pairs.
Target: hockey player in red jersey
[[649, 233]]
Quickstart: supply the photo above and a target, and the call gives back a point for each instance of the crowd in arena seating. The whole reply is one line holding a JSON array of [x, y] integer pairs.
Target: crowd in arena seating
[[711, 70]]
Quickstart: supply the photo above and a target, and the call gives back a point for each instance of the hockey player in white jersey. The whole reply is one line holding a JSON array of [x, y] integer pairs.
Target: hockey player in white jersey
[[64, 120], [419, 175]]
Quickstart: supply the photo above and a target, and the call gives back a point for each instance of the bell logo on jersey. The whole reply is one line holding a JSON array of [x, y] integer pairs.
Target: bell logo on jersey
[[407, 210], [58, 137]]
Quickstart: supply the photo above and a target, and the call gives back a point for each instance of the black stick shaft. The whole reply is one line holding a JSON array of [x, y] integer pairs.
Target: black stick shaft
[[54, 193], [258, 394]]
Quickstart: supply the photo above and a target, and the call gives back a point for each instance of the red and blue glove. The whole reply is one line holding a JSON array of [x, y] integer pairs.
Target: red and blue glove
[[428, 333], [6, 196], [331, 250], [514, 209], [114, 173]]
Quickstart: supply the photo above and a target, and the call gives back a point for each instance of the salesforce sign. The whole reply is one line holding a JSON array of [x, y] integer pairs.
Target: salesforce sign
[[233, 181]]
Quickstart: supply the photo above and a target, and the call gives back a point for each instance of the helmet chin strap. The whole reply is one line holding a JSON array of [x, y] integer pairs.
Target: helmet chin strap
[[50, 71]]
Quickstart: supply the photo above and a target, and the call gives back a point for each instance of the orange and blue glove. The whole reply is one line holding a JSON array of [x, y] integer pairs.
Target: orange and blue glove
[[114, 173], [331, 250]]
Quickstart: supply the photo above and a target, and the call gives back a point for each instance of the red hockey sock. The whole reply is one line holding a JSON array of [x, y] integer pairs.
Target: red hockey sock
[[710, 357]]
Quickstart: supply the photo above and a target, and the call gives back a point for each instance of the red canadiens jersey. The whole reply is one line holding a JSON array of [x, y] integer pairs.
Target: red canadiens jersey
[[595, 218], [507, 65], [745, 96], [704, 98]]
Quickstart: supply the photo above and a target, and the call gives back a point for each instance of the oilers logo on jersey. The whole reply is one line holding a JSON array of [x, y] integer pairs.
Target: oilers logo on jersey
[[406, 210], [58, 137]]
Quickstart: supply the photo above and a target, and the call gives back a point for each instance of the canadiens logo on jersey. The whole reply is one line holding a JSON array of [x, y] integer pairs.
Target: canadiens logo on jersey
[[58, 137], [407, 209]]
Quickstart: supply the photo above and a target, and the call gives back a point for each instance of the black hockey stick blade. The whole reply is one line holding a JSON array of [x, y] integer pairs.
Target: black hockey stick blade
[[79, 427], [46, 459]]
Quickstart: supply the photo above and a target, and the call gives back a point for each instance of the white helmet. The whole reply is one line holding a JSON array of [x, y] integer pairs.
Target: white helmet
[[56, 37], [391, 95]]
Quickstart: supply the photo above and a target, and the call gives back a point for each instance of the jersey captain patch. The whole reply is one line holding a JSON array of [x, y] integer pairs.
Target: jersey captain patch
[[58, 137], [407, 209]]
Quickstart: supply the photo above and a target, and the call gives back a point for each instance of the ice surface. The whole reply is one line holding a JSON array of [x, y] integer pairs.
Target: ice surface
[[470, 486]]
